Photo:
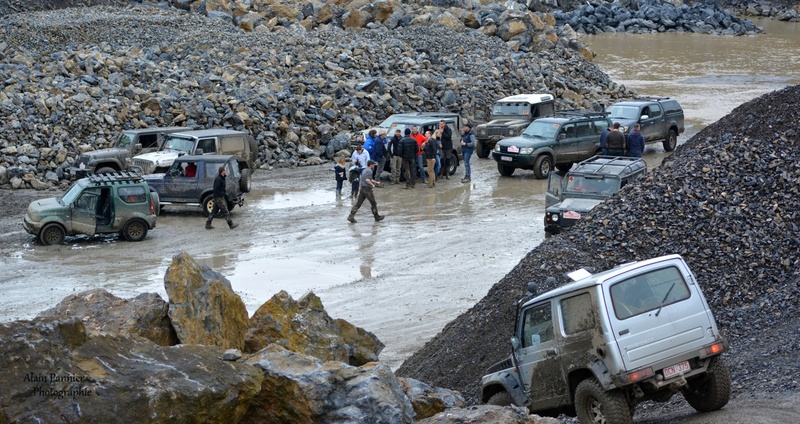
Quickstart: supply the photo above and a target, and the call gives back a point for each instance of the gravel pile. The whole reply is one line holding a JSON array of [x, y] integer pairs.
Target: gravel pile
[[728, 200]]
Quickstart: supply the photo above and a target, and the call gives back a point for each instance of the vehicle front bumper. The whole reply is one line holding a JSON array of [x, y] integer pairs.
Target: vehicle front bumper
[[515, 160], [30, 226]]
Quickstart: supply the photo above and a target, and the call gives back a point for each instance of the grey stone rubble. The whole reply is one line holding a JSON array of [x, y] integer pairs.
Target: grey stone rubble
[[655, 16], [782, 10], [74, 78], [728, 200]]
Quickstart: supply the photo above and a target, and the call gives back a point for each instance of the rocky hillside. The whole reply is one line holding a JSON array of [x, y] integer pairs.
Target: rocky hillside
[[728, 200]]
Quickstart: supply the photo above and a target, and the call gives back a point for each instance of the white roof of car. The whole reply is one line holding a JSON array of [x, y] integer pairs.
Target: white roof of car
[[529, 98]]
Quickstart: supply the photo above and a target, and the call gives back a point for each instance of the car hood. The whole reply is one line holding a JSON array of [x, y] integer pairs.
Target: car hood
[[522, 141], [46, 206], [576, 204], [161, 157], [505, 122], [105, 153]]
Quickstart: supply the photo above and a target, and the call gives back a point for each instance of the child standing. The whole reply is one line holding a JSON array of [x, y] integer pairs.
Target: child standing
[[355, 179], [340, 172]]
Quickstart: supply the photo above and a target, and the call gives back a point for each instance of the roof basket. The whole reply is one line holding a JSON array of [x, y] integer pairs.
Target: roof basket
[[581, 113], [114, 177]]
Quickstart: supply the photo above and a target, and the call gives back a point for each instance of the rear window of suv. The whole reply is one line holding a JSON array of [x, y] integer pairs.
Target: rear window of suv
[[648, 291], [133, 194]]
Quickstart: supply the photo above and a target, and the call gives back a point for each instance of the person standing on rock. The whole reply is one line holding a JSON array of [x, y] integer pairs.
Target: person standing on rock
[[408, 151], [615, 141], [468, 143], [636, 142], [447, 148], [220, 200], [367, 183], [395, 158]]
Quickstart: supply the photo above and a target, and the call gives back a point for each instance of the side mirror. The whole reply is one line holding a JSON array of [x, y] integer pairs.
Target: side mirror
[[645, 117], [198, 152], [562, 136], [137, 147], [515, 344]]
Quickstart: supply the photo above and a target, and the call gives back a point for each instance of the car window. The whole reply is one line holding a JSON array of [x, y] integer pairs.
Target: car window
[[132, 194], [125, 140], [577, 314], [671, 106], [232, 145], [542, 129], [584, 129], [655, 111], [148, 141], [537, 325], [600, 125], [623, 112], [87, 201], [545, 109], [212, 169], [177, 143], [207, 144], [646, 292], [569, 130], [512, 108]]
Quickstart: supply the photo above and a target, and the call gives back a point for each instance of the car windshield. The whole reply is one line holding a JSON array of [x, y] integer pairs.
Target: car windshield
[[624, 112], [72, 193], [512, 108], [580, 184], [178, 143], [125, 140], [389, 121], [542, 129]]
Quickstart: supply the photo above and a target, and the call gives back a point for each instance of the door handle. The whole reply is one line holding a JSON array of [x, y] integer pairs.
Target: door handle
[[551, 352]]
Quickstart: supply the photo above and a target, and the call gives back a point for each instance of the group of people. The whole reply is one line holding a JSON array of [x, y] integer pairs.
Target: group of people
[[404, 151], [613, 142]]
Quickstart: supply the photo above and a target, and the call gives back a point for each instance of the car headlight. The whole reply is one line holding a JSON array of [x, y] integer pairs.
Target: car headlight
[[554, 217], [497, 147], [526, 150], [512, 132], [481, 132]]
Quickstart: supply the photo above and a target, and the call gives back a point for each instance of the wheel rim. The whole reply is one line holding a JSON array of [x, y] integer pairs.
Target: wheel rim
[[51, 235], [209, 206], [135, 230], [596, 412], [546, 167]]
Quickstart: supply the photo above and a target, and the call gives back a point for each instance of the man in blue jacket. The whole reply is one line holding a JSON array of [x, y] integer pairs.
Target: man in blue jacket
[[635, 142], [468, 142]]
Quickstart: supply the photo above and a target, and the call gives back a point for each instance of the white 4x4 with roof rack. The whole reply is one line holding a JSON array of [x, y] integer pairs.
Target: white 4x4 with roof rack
[[510, 116]]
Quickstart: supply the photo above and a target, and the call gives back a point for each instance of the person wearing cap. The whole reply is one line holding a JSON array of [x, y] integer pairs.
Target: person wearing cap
[[468, 143], [367, 183]]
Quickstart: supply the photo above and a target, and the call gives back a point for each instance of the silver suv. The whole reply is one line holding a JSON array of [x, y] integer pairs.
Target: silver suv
[[600, 345]]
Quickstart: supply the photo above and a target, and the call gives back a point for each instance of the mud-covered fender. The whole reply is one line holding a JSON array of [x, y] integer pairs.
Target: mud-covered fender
[[601, 373], [508, 381]]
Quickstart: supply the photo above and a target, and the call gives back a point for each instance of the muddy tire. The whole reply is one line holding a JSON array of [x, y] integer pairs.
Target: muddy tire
[[135, 230], [106, 170], [595, 405], [207, 204], [52, 234], [156, 202], [482, 150], [712, 391], [671, 141], [501, 398], [505, 170], [564, 167], [542, 167], [453, 164], [245, 183]]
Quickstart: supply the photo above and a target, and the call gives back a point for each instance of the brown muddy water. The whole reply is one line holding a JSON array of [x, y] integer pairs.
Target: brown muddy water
[[439, 250]]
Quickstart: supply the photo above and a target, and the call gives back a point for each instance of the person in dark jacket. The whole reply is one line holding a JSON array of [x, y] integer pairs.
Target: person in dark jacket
[[468, 143], [429, 150], [603, 136], [408, 150], [395, 158], [447, 148], [635, 142], [367, 182], [615, 141], [220, 200]]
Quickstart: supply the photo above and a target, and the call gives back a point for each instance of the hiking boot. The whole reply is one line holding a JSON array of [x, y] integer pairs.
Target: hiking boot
[[231, 225], [465, 180], [446, 177], [208, 226], [351, 218], [379, 217]]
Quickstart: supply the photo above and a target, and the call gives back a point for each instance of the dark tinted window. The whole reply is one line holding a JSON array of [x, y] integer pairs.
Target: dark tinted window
[[148, 141], [133, 194], [655, 111], [207, 144], [671, 106]]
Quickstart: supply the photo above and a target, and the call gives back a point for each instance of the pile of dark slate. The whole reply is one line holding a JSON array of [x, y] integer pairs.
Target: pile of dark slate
[[728, 200], [782, 10], [74, 78], [647, 16]]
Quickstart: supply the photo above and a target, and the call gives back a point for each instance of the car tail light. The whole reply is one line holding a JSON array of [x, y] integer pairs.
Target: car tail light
[[638, 375], [715, 349], [152, 208]]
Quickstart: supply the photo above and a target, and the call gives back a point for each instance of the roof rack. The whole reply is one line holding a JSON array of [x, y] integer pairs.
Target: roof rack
[[114, 177], [623, 161], [651, 99], [581, 113]]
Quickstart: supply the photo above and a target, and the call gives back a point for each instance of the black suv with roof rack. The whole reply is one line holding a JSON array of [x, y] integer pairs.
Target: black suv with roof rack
[[571, 195], [98, 204], [558, 141]]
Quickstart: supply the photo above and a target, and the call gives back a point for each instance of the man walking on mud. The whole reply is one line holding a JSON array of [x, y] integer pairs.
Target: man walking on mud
[[367, 182], [220, 200]]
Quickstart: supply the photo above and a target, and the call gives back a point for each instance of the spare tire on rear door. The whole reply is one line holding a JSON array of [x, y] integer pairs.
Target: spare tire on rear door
[[244, 181]]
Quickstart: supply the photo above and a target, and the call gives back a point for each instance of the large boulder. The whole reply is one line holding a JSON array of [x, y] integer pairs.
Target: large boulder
[[488, 414], [203, 307], [301, 389], [53, 372], [103, 313], [428, 401], [304, 326]]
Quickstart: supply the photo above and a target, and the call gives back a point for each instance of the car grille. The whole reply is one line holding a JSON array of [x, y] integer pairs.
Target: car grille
[[147, 166], [496, 131]]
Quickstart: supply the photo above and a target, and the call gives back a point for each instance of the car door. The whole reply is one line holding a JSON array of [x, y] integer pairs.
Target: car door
[[538, 355], [84, 211], [567, 147], [652, 128], [554, 189], [178, 187], [587, 141]]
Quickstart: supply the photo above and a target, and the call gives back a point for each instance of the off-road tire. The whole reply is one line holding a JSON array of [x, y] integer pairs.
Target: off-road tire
[[671, 141], [712, 391], [564, 167], [505, 170], [207, 204], [154, 197], [482, 150], [542, 166], [245, 184], [501, 398], [105, 170], [453, 164], [595, 405], [134, 230], [51, 234]]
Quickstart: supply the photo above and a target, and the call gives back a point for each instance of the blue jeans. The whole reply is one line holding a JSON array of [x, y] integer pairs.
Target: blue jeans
[[467, 169], [420, 167], [438, 166], [635, 154]]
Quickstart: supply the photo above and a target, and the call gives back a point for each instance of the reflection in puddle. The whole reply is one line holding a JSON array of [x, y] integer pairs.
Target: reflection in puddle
[[271, 199]]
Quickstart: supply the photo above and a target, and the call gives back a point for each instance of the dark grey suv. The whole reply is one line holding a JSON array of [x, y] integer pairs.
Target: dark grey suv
[[190, 181]]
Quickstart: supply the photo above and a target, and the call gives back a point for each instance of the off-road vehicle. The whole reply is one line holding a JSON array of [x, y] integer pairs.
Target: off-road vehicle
[[118, 158], [98, 204], [190, 182], [598, 346], [660, 118], [510, 116], [214, 141], [589, 183], [560, 141]]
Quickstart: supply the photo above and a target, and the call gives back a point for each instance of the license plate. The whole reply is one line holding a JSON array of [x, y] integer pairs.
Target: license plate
[[506, 158], [513, 149], [572, 215], [677, 369]]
